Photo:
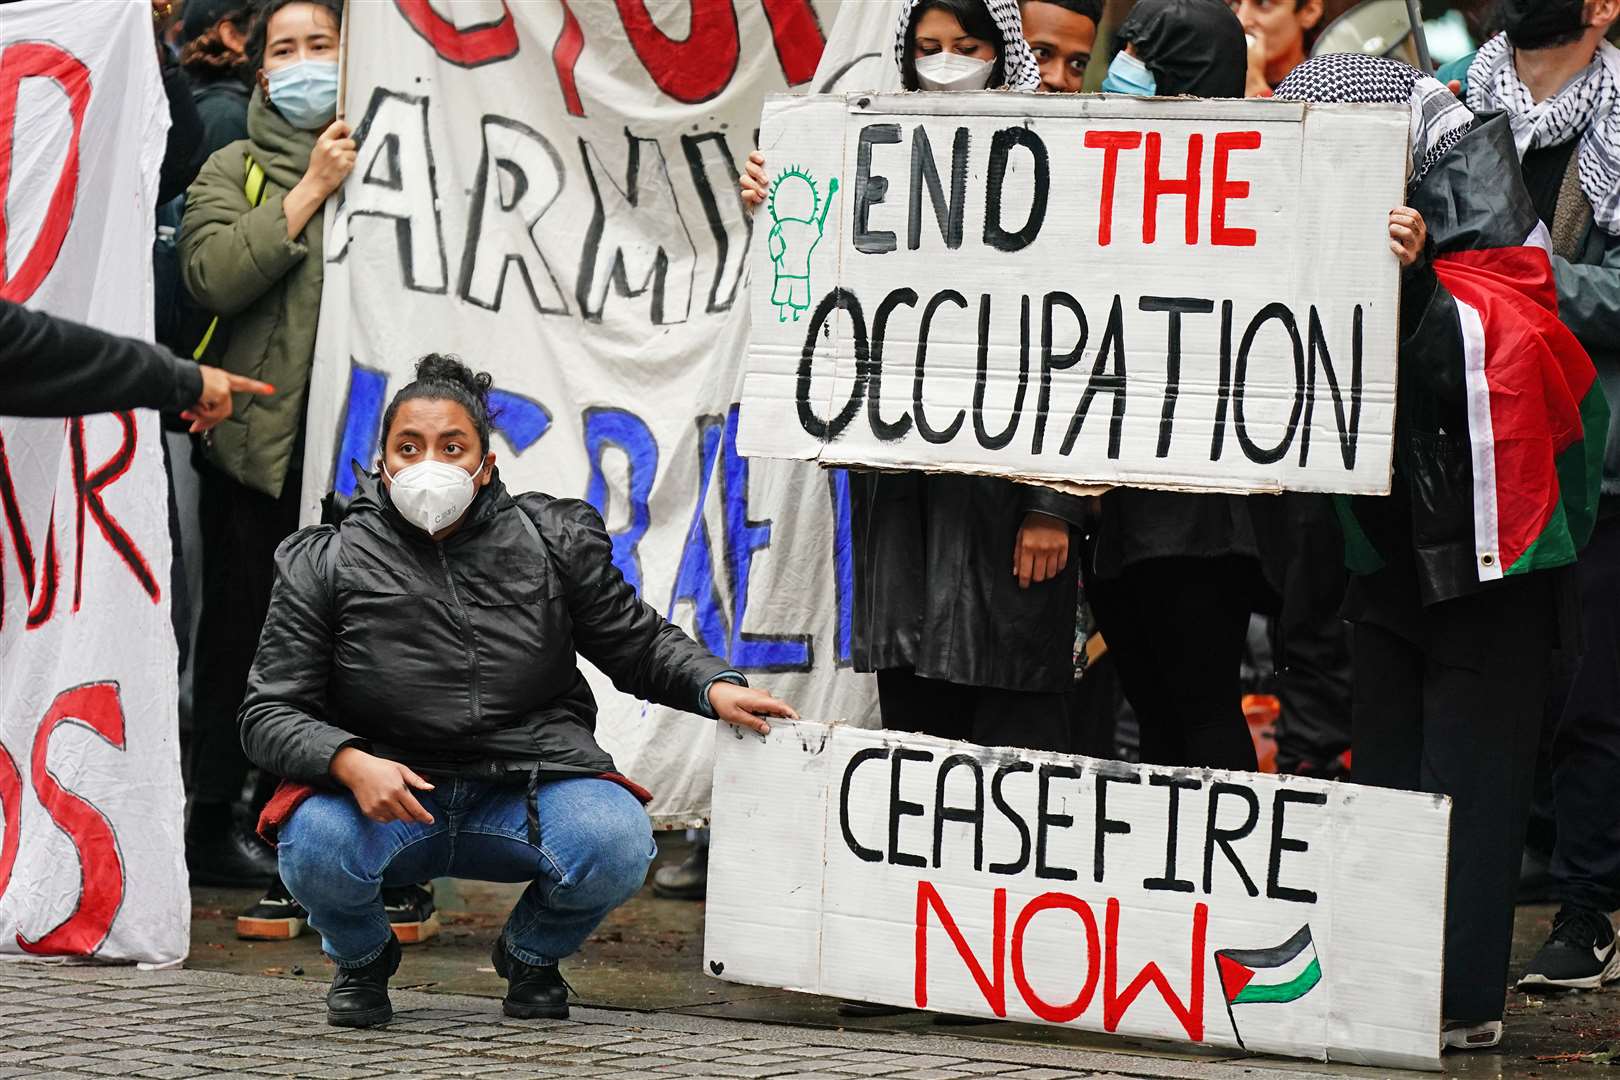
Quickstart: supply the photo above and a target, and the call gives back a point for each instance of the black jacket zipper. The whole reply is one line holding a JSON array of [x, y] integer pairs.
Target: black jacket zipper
[[468, 638]]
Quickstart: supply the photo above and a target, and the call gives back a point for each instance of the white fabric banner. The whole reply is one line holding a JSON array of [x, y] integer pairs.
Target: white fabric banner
[[91, 861], [548, 189]]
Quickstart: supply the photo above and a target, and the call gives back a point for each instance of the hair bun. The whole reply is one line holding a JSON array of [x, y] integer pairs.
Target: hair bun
[[448, 368]]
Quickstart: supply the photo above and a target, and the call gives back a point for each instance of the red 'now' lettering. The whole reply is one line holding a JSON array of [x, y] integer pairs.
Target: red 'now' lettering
[[101, 867], [1189, 187], [1105, 952]]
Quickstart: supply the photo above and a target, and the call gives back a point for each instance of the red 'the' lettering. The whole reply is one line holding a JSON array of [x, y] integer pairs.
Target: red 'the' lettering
[[1110, 143], [464, 46], [1223, 189], [88, 487], [39, 59], [1154, 186], [1057, 1014], [41, 590], [994, 988], [11, 803], [101, 867], [1190, 1014]]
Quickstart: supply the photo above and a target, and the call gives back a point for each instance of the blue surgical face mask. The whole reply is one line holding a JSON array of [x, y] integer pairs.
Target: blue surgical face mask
[[1128, 75], [305, 93]]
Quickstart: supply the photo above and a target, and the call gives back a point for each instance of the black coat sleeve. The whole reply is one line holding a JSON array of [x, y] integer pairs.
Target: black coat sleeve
[[615, 629], [53, 367], [1040, 499], [284, 725], [185, 151]]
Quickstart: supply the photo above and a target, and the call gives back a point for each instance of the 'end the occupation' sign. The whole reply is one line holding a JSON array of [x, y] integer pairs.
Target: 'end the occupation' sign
[[1276, 914], [1165, 293]]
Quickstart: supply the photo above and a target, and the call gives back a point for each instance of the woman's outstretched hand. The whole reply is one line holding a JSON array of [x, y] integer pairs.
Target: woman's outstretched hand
[[745, 707]]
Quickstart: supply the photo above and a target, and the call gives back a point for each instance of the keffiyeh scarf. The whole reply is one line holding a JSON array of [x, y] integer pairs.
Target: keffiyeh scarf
[[1439, 120], [1583, 109], [1017, 62]]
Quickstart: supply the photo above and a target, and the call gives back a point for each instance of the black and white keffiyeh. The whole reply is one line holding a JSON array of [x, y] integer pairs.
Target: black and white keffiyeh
[[1439, 120], [1017, 62], [1584, 109]]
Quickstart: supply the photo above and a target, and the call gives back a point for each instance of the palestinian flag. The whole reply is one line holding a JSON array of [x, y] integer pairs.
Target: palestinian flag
[[1270, 976], [1537, 417]]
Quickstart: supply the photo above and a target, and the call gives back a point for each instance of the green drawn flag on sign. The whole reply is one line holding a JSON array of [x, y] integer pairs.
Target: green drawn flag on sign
[[1269, 976]]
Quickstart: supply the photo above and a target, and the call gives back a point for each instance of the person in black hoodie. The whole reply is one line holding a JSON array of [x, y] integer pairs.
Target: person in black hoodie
[[418, 684], [1172, 577]]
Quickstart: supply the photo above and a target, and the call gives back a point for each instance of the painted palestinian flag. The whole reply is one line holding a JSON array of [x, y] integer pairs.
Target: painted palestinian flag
[[1270, 976]]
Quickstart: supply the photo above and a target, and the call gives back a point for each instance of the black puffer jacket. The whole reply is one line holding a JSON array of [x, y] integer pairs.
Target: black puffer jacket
[[934, 584], [457, 658]]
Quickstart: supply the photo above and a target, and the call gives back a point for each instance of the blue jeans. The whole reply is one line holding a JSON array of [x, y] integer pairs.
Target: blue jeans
[[595, 846]]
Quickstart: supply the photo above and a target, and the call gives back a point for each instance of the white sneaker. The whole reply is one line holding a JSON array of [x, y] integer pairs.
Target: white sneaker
[[1471, 1036]]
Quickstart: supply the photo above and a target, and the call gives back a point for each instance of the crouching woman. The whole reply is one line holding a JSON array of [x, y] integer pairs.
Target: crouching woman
[[417, 683]]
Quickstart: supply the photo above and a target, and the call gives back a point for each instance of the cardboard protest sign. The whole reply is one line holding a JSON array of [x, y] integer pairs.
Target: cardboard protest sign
[[550, 191], [91, 857], [1100, 290], [1276, 914]]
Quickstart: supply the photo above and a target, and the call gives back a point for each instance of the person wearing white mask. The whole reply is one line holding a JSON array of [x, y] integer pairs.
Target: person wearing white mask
[[250, 253], [965, 585], [418, 684]]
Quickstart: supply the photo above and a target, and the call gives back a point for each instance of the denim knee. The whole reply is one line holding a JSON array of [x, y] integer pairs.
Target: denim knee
[[613, 866], [317, 852]]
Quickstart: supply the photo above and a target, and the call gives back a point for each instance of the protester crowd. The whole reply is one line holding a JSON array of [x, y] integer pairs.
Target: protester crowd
[[996, 612]]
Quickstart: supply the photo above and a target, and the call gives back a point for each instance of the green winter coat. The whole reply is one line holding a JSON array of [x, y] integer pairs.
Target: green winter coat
[[239, 264]]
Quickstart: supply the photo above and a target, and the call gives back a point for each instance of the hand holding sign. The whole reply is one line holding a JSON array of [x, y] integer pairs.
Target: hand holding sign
[[745, 707], [1407, 234], [753, 184]]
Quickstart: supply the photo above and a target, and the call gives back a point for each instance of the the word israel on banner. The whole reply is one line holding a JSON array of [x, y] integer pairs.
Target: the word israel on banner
[[91, 858], [1184, 294], [1270, 913]]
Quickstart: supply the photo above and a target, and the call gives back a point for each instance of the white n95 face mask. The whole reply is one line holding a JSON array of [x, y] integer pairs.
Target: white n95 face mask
[[952, 71], [431, 494]]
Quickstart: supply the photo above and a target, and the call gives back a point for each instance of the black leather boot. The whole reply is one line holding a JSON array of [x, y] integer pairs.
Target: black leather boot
[[532, 993], [220, 851], [359, 996]]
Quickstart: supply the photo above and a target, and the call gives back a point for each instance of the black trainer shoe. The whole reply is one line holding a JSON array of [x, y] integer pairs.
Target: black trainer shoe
[[359, 996], [410, 912], [219, 851], [1580, 953], [532, 993], [277, 917]]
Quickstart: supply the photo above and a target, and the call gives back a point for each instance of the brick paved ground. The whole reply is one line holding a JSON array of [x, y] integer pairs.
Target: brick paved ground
[[58, 1020]]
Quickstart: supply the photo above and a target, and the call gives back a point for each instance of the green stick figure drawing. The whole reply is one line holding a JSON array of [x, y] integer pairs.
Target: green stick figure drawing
[[800, 216]]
